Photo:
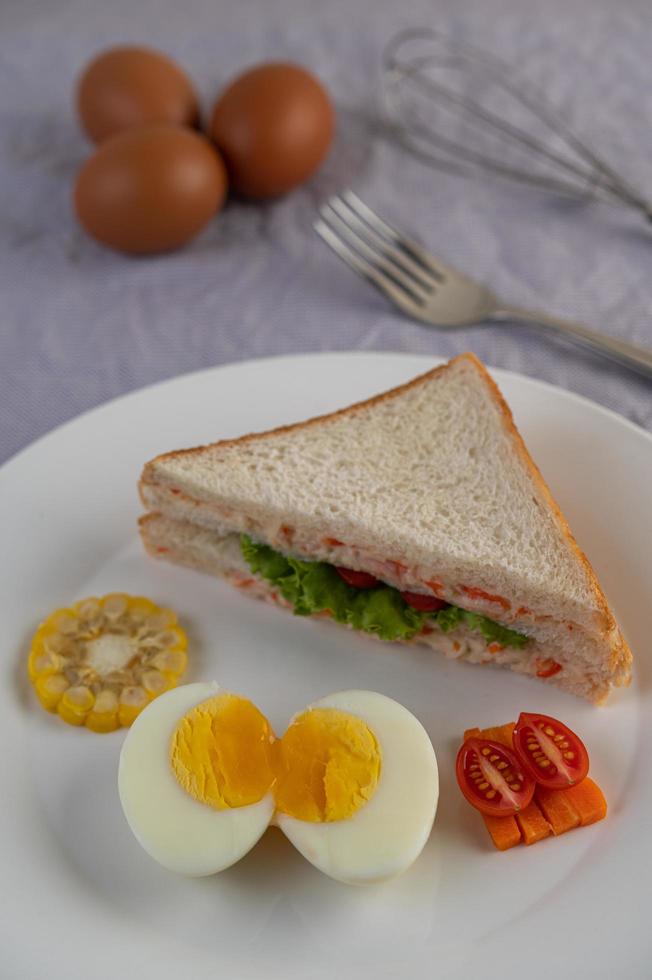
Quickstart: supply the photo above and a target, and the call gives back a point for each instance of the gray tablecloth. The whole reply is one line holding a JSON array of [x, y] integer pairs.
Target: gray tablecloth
[[80, 324]]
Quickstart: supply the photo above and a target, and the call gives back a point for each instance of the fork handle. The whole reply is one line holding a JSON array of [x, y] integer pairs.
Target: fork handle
[[637, 358]]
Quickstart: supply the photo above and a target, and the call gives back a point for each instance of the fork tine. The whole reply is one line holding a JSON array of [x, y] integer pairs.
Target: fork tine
[[357, 205], [395, 273], [418, 254], [388, 249], [363, 268]]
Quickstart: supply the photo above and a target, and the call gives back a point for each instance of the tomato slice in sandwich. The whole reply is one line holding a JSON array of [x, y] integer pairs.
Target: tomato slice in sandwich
[[424, 603], [492, 778], [359, 580], [550, 752]]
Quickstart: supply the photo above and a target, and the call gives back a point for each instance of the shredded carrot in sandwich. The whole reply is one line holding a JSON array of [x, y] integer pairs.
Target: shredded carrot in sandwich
[[475, 593]]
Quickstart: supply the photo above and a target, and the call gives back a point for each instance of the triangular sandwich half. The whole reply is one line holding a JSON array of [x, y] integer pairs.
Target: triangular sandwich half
[[428, 488]]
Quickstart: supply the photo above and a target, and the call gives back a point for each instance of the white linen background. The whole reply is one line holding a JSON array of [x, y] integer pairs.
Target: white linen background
[[80, 324]]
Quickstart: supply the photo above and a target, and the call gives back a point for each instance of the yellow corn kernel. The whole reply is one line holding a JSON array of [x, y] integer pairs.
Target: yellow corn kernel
[[88, 608], [104, 715], [90, 614], [52, 641], [37, 650], [42, 663], [160, 620], [139, 608], [75, 705], [181, 638], [63, 621], [49, 690], [132, 701], [171, 662], [102, 724], [170, 639], [114, 605], [156, 683]]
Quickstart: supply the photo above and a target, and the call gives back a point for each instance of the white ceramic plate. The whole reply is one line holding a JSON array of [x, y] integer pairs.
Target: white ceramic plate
[[80, 899]]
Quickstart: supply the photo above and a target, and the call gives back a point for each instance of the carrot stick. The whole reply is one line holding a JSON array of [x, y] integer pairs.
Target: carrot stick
[[558, 809], [533, 824], [588, 799], [501, 733], [504, 831], [471, 733]]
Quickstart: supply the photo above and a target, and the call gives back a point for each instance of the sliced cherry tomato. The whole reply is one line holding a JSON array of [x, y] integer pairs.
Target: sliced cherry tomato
[[548, 668], [492, 779], [359, 580], [550, 752], [424, 603]]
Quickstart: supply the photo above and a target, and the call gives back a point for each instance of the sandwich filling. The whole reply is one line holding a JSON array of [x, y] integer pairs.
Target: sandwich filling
[[313, 587]]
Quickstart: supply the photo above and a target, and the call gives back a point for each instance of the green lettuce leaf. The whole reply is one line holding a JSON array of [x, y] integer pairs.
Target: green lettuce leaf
[[382, 611], [494, 632], [313, 586], [450, 618]]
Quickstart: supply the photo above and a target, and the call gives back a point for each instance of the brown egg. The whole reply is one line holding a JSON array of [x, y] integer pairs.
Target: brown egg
[[150, 189], [273, 125], [125, 87]]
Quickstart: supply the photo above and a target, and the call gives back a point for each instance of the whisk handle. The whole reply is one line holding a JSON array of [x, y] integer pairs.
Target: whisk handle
[[637, 358]]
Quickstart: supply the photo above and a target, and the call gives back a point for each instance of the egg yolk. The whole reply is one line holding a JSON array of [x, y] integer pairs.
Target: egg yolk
[[221, 752], [327, 765], [325, 768]]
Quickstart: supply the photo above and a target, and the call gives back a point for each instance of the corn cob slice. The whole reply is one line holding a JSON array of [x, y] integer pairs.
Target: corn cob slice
[[99, 662]]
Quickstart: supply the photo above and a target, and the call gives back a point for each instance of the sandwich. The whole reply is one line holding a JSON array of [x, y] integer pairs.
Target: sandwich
[[417, 516]]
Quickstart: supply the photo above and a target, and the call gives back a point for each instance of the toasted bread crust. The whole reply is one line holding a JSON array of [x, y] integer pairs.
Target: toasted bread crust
[[306, 423], [508, 419]]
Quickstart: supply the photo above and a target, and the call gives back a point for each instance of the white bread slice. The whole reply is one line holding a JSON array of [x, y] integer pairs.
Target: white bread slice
[[207, 551], [429, 486]]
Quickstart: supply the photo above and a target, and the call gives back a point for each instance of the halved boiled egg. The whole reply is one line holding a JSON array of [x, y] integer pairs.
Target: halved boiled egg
[[194, 781], [386, 819], [353, 783]]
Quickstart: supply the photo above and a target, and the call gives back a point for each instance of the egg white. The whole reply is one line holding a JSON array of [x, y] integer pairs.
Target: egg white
[[178, 831], [388, 833]]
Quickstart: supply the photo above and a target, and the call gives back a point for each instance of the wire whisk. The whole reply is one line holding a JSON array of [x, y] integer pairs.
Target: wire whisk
[[461, 109]]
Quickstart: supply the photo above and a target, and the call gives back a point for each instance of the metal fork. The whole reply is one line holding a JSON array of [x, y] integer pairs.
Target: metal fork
[[427, 289]]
